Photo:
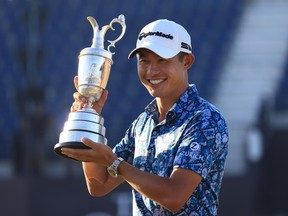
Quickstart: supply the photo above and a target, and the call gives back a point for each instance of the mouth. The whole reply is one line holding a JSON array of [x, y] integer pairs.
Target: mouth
[[156, 81]]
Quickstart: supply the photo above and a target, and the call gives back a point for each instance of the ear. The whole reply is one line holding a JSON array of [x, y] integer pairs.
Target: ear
[[188, 60]]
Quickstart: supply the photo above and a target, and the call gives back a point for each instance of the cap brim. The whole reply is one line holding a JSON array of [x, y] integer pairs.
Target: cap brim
[[162, 51]]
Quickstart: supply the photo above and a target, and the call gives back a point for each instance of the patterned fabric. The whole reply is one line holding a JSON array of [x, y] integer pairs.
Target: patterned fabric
[[193, 136]]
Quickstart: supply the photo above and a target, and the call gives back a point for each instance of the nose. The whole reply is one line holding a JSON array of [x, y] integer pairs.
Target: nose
[[152, 68]]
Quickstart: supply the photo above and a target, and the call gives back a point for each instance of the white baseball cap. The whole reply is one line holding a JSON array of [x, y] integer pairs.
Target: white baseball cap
[[164, 37]]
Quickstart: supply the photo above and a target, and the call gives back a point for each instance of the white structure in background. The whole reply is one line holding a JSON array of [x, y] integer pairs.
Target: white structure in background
[[252, 72]]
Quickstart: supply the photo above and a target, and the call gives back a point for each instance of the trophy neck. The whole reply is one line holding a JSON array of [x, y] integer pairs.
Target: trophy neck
[[88, 109], [96, 52]]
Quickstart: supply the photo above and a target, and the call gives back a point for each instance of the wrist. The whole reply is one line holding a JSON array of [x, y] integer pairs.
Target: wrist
[[113, 168], [111, 159]]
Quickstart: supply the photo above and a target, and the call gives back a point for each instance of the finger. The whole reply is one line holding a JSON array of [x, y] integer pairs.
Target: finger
[[77, 106], [100, 103], [69, 152], [78, 97], [103, 97], [78, 154], [74, 107], [79, 103], [88, 142]]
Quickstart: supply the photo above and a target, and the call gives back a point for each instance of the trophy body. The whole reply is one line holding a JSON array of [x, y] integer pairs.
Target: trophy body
[[93, 74]]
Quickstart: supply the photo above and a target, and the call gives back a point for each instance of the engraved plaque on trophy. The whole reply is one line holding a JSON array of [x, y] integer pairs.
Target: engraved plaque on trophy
[[93, 74]]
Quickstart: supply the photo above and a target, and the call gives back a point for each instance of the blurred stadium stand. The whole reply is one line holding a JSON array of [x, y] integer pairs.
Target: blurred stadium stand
[[241, 66], [253, 72]]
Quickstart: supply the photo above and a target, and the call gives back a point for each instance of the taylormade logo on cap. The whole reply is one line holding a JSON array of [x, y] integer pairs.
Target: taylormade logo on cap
[[164, 37], [160, 34]]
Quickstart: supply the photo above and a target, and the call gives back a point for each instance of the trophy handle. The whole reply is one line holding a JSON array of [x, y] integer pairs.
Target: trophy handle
[[98, 36], [121, 21]]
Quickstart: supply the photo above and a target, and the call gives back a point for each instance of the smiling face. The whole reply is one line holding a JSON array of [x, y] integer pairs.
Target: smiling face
[[165, 79]]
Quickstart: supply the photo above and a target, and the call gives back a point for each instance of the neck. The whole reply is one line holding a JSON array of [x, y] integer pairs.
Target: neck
[[164, 104], [163, 108]]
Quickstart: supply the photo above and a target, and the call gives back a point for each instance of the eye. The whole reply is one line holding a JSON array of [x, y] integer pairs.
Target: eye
[[162, 60], [142, 60]]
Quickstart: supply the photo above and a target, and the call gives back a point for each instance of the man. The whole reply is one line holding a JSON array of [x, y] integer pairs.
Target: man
[[173, 154]]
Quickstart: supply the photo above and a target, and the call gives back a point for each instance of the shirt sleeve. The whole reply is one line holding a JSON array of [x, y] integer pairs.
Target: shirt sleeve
[[126, 147]]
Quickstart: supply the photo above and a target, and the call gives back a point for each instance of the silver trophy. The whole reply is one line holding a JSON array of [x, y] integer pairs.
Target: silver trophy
[[93, 74]]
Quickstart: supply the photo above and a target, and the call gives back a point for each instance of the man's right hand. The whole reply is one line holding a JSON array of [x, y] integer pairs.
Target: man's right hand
[[82, 102]]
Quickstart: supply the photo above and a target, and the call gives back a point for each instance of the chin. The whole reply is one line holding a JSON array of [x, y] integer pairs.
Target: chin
[[154, 94]]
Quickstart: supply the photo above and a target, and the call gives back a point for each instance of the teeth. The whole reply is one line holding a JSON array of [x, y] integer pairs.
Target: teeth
[[154, 82]]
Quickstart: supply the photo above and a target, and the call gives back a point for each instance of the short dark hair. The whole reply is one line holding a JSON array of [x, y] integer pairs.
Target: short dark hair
[[181, 55]]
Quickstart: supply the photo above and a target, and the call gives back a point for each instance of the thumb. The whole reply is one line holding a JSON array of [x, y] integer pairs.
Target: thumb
[[88, 142], [76, 82], [103, 98]]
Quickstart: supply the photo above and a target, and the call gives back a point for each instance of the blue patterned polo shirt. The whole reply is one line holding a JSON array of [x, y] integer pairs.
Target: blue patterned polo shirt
[[192, 136]]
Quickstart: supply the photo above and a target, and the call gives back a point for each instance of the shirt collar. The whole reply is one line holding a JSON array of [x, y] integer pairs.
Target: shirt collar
[[186, 100]]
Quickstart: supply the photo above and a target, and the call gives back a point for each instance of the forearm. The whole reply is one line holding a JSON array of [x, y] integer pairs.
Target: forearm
[[164, 191], [98, 181]]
